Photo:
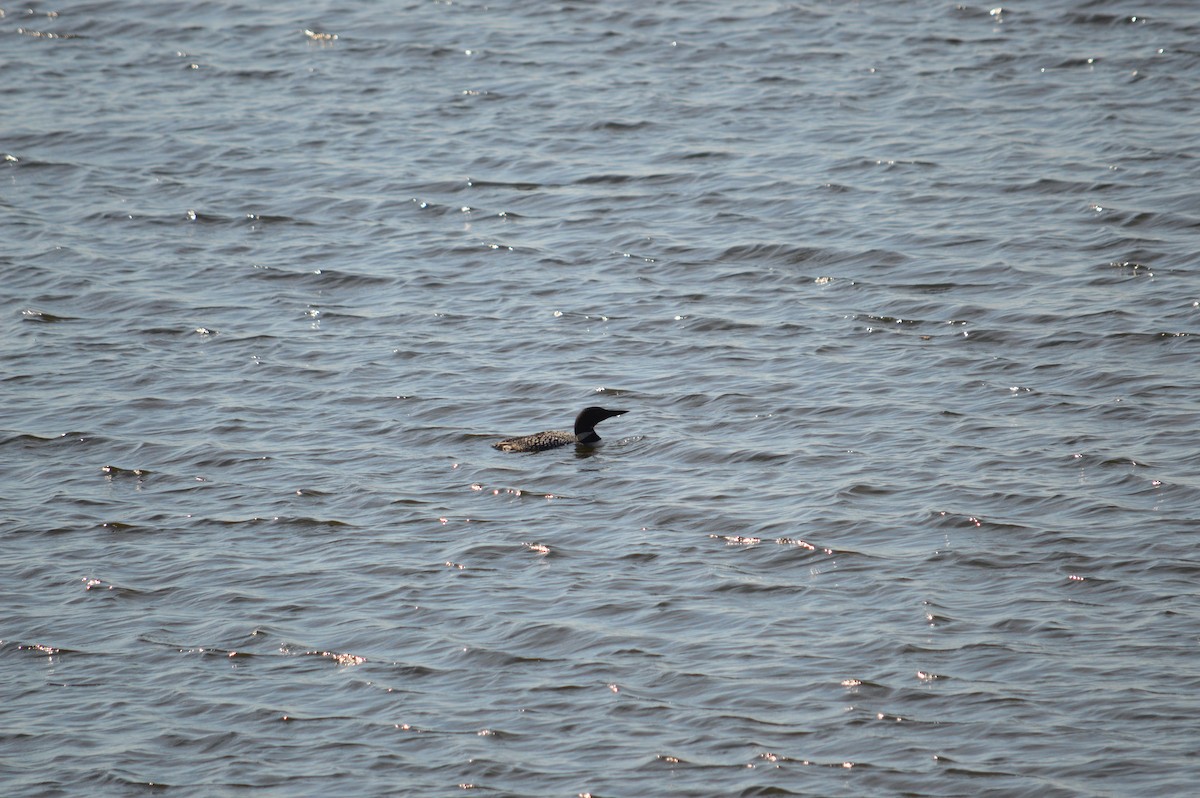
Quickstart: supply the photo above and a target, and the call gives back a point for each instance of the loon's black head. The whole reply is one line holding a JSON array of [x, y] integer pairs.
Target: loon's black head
[[585, 422]]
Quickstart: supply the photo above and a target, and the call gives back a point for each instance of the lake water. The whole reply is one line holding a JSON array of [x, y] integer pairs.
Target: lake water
[[902, 300]]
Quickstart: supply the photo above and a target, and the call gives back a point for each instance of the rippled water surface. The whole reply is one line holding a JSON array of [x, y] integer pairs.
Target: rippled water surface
[[902, 300]]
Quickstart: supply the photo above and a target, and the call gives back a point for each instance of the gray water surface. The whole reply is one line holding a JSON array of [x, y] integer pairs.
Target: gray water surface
[[902, 299]]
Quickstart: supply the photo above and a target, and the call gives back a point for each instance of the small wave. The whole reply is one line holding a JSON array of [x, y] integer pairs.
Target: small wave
[[45, 317]]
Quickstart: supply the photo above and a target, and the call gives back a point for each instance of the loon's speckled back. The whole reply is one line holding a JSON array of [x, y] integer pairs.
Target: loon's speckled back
[[585, 433]]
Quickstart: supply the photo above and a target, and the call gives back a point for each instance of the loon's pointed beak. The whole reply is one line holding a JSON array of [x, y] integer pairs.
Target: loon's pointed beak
[[611, 413]]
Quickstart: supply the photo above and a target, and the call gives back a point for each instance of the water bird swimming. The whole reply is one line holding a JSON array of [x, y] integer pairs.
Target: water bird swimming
[[585, 433]]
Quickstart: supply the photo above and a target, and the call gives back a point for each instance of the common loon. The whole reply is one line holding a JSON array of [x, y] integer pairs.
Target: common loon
[[585, 432]]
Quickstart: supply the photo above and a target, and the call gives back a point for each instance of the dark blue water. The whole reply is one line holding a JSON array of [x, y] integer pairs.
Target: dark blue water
[[902, 300]]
